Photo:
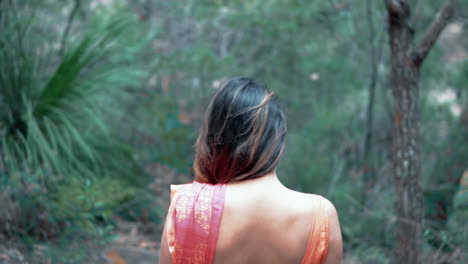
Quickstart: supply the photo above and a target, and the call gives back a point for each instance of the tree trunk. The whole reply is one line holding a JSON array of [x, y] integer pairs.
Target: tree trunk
[[406, 59], [405, 146]]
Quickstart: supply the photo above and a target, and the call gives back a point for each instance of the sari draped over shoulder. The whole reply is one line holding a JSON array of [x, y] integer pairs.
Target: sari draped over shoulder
[[195, 216], [194, 220], [319, 236]]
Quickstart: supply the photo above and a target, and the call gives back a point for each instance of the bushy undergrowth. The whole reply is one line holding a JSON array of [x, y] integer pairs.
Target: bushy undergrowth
[[65, 166]]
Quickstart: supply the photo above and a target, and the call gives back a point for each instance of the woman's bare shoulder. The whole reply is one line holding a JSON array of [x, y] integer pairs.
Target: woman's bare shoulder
[[308, 201], [335, 244]]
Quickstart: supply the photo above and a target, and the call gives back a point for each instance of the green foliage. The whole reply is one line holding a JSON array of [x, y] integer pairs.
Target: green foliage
[[72, 110], [82, 200], [174, 143], [372, 254], [458, 76], [64, 162], [458, 218], [313, 154]]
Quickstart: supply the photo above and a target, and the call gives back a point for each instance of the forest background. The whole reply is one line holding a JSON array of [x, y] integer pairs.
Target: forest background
[[101, 101]]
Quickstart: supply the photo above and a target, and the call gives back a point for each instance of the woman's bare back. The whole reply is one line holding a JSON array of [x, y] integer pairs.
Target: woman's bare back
[[264, 222]]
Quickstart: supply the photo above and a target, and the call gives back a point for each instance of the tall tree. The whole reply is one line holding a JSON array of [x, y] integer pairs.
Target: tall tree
[[407, 56]]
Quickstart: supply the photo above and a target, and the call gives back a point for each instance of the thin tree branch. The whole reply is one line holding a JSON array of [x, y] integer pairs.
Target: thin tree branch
[[394, 7], [73, 12], [373, 79], [434, 30], [1, 6]]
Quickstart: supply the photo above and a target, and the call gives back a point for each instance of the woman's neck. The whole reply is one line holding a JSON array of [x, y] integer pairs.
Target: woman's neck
[[271, 180]]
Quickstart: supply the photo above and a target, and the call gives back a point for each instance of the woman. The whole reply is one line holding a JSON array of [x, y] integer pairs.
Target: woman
[[236, 210]]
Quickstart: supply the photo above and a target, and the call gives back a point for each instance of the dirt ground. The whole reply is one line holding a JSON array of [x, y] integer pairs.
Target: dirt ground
[[134, 244]]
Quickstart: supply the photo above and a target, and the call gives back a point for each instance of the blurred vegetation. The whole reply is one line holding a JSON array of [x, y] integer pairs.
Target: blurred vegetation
[[101, 100]]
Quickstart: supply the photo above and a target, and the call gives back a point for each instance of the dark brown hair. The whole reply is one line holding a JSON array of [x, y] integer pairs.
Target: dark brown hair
[[243, 133]]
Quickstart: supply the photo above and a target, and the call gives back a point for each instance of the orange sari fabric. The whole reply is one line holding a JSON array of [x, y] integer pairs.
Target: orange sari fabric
[[195, 216], [317, 247]]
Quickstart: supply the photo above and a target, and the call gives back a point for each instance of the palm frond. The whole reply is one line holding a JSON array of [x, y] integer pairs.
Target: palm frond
[[68, 121], [65, 83], [18, 65]]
